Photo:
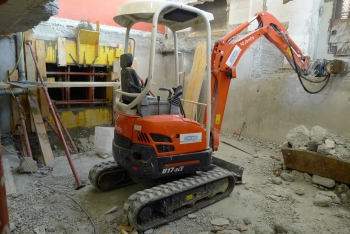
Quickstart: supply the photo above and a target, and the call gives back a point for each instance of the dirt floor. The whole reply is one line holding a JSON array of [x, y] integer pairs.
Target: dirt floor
[[46, 201]]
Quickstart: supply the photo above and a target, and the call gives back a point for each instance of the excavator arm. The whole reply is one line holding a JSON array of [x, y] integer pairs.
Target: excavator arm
[[228, 51]]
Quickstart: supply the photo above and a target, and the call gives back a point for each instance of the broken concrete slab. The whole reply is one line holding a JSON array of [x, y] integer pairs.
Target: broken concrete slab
[[276, 180], [40, 230], [328, 183], [298, 136], [339, 140], [287, 177], [27, 165], [103, 141], [330, 144], [318, 134], [220, 222], [323, 149], [322, 201]]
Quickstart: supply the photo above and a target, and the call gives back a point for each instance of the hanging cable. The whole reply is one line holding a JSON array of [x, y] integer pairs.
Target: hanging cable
[[19, 56], [296, 68]]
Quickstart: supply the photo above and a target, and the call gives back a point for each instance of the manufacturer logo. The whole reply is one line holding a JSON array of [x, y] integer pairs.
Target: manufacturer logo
[[191, 138], [246, 41], [234, 55]]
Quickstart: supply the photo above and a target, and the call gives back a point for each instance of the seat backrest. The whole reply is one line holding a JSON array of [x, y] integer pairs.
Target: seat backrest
[[129, 79]]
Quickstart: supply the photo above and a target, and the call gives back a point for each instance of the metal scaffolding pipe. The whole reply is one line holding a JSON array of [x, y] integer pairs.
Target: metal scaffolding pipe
[[55, 118], [20, 56], [77, 73], [64, 129], [24, 129], [15, 92], [4, 215]]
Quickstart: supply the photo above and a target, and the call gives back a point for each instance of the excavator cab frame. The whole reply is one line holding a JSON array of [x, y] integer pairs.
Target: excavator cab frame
[[176, 17]]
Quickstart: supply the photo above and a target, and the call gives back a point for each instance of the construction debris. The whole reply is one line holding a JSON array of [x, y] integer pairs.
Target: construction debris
[[112, 210], [320, 141], [27, 165]]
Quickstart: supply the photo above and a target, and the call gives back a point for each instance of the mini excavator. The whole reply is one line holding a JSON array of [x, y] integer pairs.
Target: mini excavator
[[155, 145]]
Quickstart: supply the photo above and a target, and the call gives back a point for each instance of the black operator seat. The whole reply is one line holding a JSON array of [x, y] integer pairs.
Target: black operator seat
[[129, 79]]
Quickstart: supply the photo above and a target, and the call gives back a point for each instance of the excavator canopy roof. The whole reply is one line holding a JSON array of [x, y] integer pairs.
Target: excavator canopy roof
[[176, 16]]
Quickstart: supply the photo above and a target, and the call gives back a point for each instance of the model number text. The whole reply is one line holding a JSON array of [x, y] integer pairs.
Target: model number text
[[172, 169]]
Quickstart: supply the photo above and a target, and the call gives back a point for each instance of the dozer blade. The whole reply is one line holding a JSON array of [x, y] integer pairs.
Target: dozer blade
[[235, 169]]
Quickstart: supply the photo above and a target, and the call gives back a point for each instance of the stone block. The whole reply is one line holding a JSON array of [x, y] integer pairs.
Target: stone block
[[27, 165], [323, 149], [103, 140], [298, 136], [322, 201], [325, 182], [318, 134], [330, 144]]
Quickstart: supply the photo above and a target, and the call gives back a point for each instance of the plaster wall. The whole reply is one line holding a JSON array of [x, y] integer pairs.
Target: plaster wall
[[7, 62]]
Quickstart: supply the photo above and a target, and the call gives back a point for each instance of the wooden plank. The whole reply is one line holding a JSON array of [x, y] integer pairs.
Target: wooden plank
[[4, 85], [196, 79], [22, 85], [59, 84], [318, 164], [14, 75], [61, 52], [241, 146], [40, 128], [98, 39], [41, 57], [30, 65], [9, 183]]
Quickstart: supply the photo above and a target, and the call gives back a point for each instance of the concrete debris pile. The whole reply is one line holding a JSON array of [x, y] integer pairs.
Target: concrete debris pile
[[320, 141]]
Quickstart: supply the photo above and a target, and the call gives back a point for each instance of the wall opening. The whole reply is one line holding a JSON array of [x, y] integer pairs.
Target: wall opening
[[342, 9], [76, 96]]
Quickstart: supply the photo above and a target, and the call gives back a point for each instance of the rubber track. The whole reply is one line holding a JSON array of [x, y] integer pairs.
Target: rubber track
[[138, 200], [96, 170]]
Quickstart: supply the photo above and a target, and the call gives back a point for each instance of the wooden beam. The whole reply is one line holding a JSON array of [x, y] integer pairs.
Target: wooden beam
[[196, 79], [15, 113], [9, 183], [61, 52], [41, 57], [30, 65], [40, 129]]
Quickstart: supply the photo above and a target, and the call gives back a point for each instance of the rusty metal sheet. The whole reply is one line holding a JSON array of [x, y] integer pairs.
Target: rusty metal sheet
[[314, 163], [340, 36]]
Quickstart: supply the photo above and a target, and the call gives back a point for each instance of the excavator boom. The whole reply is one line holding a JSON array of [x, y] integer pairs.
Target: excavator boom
[[228, 51]]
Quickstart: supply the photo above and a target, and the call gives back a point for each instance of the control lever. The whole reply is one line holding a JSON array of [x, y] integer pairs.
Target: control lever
[[158, 99], [175, 100], [177, 89], [169, 90]]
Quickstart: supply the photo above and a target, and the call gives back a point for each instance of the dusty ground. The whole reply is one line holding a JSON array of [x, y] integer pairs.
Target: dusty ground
[[47, 199]]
